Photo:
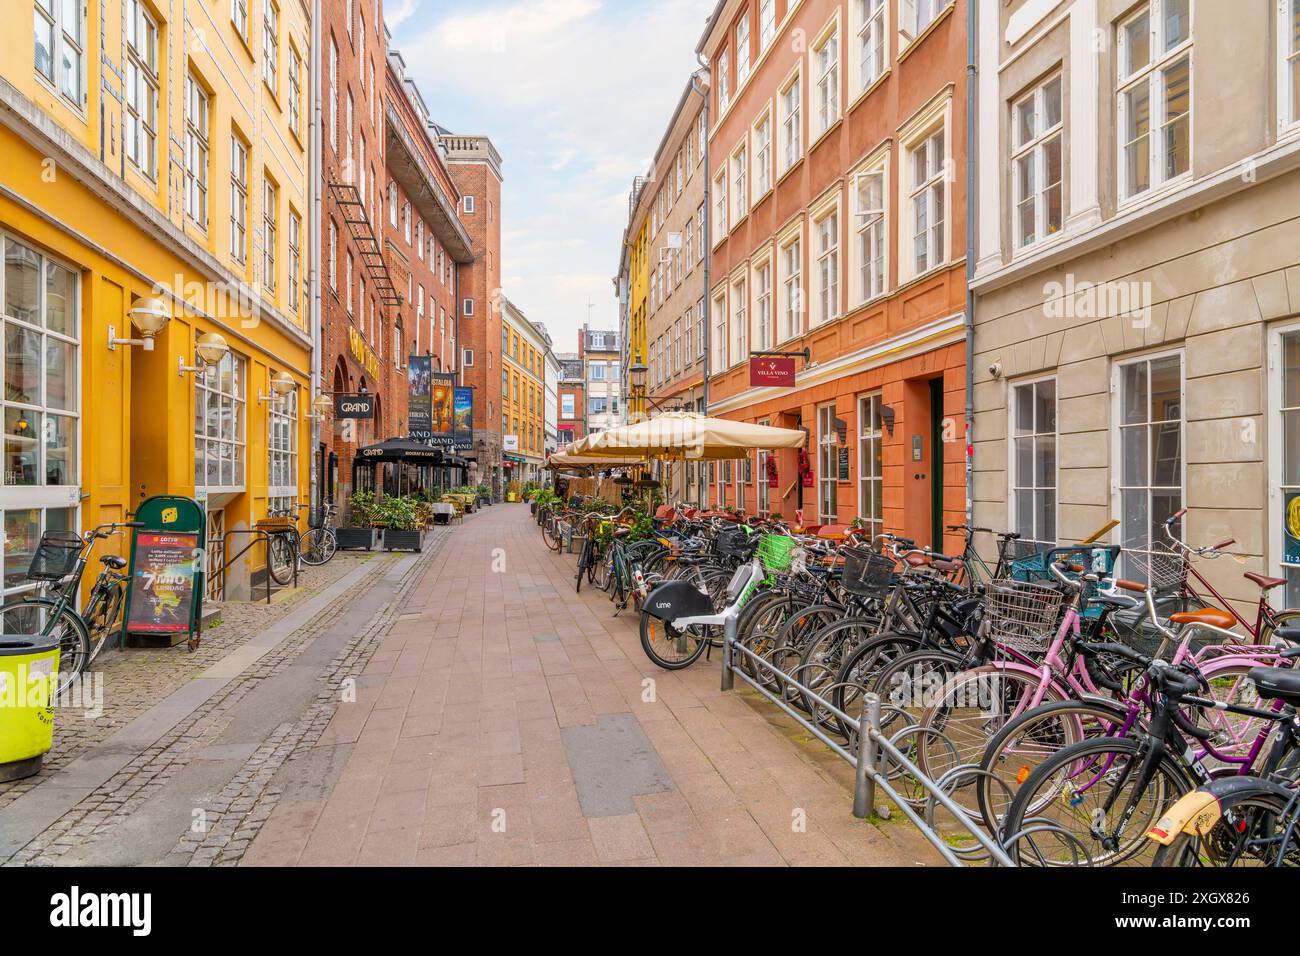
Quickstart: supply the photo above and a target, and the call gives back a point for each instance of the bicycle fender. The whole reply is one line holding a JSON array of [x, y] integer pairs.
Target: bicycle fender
[[1194, 813], [672, 600]]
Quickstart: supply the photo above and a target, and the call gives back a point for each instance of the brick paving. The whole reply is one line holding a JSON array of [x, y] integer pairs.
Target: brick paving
[[134, 679], [463, 745]]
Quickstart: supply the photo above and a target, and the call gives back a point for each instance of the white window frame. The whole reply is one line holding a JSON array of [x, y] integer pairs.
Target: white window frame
[[208, 383], [271, 46], [720, 203], [282, 447], [1015, 486], [738, 324], [766, 24], [828, 459], [870, 54], [67, 42], [869, 256], [270, 233], [740, 182], [1288, 62], [826, 64], [1152, 75], [140, 133], [764, 334], [720, 338], [724, 82], [742, 49], [791, 298], [870, 471], [1275, 551], [198, 113], [1032, 154], [763, 155], [239, 162], [826, 228], [916, 16], [1117, 427], [934, 193], [790, 150], [295, 91]]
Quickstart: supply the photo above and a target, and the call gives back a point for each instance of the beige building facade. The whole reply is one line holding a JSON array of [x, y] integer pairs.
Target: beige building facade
[[1137, 278]]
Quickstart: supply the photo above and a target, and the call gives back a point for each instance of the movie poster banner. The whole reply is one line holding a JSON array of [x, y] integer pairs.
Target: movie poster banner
[[464, 413], [442, 406], [419, 378]]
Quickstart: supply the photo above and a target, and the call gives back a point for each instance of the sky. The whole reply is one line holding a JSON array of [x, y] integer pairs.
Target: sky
[[576, 95]]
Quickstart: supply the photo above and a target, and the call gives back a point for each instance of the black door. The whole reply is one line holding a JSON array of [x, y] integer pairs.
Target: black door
[[936, 463]]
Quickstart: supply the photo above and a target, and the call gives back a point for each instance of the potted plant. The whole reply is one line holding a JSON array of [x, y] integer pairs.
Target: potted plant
[[360, 534], [401, 520]]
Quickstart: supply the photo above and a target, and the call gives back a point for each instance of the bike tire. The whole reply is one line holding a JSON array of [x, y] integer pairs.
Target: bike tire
[[1259, 809], [279, 560], [317, 546], [24, 617], [102, 618]]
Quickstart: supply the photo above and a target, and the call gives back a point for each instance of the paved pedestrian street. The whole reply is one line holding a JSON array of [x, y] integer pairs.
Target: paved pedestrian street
[[458, 707]]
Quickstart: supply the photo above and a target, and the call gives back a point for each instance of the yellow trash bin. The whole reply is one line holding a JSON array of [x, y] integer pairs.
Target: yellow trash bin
[[29, 666]]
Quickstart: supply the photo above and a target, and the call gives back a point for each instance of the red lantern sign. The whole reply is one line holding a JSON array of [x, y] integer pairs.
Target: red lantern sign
[[774, 370]]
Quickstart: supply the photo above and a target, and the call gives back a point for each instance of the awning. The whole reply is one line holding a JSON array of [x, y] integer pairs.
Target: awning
[[686, 435], [403, 450]]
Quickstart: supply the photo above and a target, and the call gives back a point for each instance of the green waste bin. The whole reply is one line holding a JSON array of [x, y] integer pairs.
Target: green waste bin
[[29, 666]]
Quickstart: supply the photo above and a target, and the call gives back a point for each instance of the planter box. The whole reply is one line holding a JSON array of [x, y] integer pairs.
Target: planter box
[[395, 540], [357, 539], [532, 505]]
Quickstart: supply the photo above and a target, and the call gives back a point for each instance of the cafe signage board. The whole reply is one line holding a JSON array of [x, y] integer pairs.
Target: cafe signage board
[[165, 580]]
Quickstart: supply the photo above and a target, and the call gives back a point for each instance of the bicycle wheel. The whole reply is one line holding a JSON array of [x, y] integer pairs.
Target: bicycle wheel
[[552, 527], [279, 562], [317, 545], [43, 616], [1071, 810], [1253, 830], [670, 648], [1027, 740], [603, 572], [101, 617], [584, 556]]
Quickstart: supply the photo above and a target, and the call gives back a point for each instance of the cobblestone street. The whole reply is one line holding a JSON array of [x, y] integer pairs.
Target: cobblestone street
[[461, 706]]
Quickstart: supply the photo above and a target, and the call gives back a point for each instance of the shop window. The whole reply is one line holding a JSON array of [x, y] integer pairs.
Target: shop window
[[40, 304], [219, 440], [282, 451], [827, 464]]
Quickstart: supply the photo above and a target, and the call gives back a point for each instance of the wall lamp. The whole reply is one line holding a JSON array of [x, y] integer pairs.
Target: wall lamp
[[321, 406], [210, 349], [149, 316], [887, 417], [282, 384]]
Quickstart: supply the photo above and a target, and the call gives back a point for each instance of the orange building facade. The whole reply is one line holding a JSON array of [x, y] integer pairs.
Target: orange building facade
[[837, 224]]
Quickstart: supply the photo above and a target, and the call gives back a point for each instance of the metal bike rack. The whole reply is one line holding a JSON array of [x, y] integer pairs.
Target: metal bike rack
[[256, 534], [868, 756]]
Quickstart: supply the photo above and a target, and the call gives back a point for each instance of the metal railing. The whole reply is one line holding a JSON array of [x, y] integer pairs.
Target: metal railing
[[256, 536], [867, 756]]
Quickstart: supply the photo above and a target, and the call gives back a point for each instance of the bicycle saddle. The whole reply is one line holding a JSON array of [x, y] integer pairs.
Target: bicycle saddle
[[113, 561], [1276, 683], [622, 532], [1263, 580], [1207, 615]]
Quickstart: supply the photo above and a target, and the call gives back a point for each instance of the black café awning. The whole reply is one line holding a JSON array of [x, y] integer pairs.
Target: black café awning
[[403, 450]]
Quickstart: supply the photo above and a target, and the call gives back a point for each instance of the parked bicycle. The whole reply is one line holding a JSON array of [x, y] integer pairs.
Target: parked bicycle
[[316, 546], [57, 568]]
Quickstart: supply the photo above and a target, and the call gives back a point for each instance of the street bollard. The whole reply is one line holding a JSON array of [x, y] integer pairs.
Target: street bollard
[[868, 763], [728, 642]]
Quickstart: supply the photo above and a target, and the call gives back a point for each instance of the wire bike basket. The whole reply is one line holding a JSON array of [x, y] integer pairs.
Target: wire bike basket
[[776, 551], [733, 543], [1165, 572], [867, 573], [1022, 616], [56, 556]]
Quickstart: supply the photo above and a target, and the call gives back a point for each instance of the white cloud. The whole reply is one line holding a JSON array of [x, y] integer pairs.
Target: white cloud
[[576, 95]]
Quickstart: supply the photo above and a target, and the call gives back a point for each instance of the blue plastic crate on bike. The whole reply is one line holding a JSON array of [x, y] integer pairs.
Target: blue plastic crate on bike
[[1091, 559]]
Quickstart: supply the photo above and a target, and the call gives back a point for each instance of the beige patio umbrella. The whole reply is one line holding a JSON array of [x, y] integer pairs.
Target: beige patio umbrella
[[567, 459], [688, 436]]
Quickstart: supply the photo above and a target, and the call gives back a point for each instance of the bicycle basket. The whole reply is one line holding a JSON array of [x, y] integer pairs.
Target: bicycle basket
[[776, 551], [1165, 571], [1022, 615], [866, 573], [733, 543], [55, 557]]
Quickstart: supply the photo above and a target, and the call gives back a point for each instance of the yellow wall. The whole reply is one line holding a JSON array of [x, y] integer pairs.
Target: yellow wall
[[67, 189], [638, 340], [525, 365]]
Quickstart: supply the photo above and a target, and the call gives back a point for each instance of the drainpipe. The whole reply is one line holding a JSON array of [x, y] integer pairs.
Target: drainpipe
[[316, 172], [972, 202], [708, 230]]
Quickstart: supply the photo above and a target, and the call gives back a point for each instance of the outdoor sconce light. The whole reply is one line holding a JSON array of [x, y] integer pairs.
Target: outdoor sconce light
[[887, 417], [149, 316], [636, 374], [210, 349], [321, 406], [282, 384]]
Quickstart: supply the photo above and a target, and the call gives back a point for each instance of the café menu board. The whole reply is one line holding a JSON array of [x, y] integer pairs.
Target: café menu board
[[162, 586]]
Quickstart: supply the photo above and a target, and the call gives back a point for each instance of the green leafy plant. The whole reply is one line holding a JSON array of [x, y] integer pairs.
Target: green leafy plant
[[361, 508]]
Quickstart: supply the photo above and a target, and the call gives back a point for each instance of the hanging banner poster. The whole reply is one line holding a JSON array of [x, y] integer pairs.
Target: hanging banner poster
[[463, 407], [419, 380]]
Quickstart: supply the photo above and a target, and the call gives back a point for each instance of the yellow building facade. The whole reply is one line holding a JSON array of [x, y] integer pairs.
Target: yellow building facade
[[523, 394], [637, 347], [153, 156]]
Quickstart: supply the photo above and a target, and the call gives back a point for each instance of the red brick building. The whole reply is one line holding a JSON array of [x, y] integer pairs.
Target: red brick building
[[359, 300], [570, 398], [837, 217], [475, 167], [424, 241]]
